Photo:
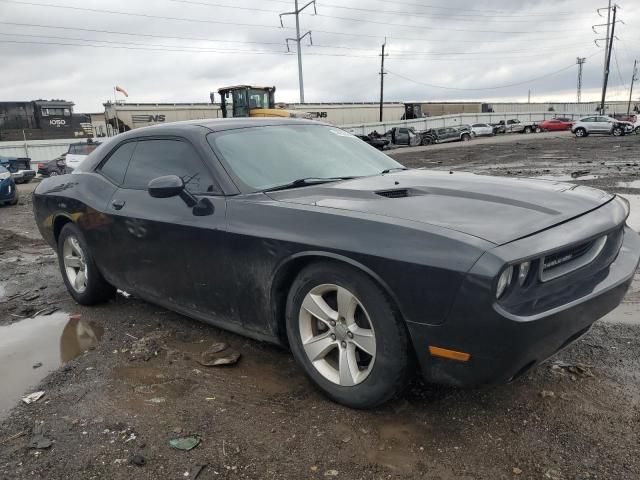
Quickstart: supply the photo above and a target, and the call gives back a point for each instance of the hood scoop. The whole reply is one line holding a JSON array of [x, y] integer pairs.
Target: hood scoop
[[397, 193]]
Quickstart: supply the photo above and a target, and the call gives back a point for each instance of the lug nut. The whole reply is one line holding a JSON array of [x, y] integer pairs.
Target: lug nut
[[344, 344], [332, 323], [350, 334], [333, 337]]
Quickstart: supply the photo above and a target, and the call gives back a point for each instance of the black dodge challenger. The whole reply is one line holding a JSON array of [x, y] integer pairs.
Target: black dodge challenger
[[298, 233]]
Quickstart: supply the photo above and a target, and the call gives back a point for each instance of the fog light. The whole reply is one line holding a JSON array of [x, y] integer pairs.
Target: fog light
[[523, 272], [504, 281]]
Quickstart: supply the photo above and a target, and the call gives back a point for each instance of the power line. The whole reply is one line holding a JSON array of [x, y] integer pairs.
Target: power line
[[485, 88], [421, 27], [142, 15], [398, 54], [434, 7], [473, 17], [149, 35]]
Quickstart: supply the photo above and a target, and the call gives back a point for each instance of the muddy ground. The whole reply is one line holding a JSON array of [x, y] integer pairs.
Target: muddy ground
[[122, 380]]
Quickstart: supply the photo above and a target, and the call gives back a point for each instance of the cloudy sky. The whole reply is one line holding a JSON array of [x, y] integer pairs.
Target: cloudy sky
[[180, 50]]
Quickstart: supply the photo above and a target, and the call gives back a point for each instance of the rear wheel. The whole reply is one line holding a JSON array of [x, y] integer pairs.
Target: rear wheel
[[528, 130], [53, 173], [79, 271], [346, 335], [580, 132], [617, 131], [637, 130], [465, 137]]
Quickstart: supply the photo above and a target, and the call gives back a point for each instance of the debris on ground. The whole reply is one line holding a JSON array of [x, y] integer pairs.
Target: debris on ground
[[580, 173], [575, 369], [38, 440], [138, 460], [218, 354], [196, 470], [147, 347], [33, 397], [547, 393], [184, 443], [331, 473], [37, 365], [517, 471]]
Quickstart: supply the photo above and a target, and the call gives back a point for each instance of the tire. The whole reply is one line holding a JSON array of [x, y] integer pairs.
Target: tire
[[637, 130], [94, 289], [617, 131], [377, 377], [465, 137], [14, 201], [580, 132], [426, 141], [538, 130], [53, 173], [528, 130]]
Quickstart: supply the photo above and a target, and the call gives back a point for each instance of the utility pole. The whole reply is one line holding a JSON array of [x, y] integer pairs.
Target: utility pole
[[529, 97], [382, 74], [634, 77], [580, 61], [298, 40], [608, 62]]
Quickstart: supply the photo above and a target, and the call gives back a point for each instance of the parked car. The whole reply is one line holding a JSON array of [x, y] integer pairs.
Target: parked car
[[377, 142], [446, 134], [54, 167], [516, 126], [290, 231], [8, 190], [78, 152], [482, 130], [636, 126], [555, 125], [599, 124], [406, 136], [20, 168]]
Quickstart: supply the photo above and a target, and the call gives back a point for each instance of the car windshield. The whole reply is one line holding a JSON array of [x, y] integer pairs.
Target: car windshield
[[272, 156]]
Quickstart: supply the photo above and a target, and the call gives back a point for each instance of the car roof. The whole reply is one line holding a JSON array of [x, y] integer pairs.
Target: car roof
[[217, 125]]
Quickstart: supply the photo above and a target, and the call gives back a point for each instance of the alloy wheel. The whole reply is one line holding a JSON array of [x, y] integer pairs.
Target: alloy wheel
[[337, 335], [75, 266]]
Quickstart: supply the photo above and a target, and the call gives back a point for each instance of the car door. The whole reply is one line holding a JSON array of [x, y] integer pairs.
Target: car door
[[162, 246], [603, 124], [403, 136]]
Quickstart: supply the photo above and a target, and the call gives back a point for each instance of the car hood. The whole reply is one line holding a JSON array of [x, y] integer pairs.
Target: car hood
[[495, 209]]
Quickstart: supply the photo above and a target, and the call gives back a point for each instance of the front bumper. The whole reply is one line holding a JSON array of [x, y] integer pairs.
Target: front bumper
[[8, 191], [503, 346]]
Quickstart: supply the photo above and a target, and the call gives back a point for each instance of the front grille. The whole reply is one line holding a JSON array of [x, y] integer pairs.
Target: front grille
[[399, 193], [566, 261], [560, 258]]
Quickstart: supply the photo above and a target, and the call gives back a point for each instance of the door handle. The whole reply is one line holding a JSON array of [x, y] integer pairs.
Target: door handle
[[117, 204]]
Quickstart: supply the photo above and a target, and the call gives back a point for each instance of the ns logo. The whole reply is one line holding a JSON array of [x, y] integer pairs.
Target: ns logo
[[148, 118]]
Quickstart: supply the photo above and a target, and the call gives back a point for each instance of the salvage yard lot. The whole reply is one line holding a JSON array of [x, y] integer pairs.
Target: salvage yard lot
[[139, 383]]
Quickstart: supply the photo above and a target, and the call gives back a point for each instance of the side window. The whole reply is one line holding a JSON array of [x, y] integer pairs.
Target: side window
[[157, 158], [116, 165], [403, 131]]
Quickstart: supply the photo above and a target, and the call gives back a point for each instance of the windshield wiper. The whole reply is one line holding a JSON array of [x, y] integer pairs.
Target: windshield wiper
[[389, 170], [305, 182]]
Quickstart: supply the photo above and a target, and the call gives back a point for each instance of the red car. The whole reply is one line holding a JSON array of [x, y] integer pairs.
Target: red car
[[555, 125]]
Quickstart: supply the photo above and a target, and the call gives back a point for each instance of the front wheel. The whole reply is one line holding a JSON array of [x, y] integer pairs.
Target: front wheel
[[347, 336], [637, 130], [527, 130], [466, 137], [580, 132], [79, 271], [617, 132]]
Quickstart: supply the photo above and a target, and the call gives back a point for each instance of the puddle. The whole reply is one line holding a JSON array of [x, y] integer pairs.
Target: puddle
[[633, 184], [627, 313], [567, 178], [3, 291], [634, 217], [52, 340]]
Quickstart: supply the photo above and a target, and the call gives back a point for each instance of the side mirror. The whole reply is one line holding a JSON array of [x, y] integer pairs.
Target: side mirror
[[165, 187]]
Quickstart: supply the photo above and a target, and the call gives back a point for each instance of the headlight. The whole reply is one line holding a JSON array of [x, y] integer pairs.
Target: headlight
[[504, 281], [4, 175], [523, 272]]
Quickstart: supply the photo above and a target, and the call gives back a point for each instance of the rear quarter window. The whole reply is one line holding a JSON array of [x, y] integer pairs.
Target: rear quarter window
[[115, 166]]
